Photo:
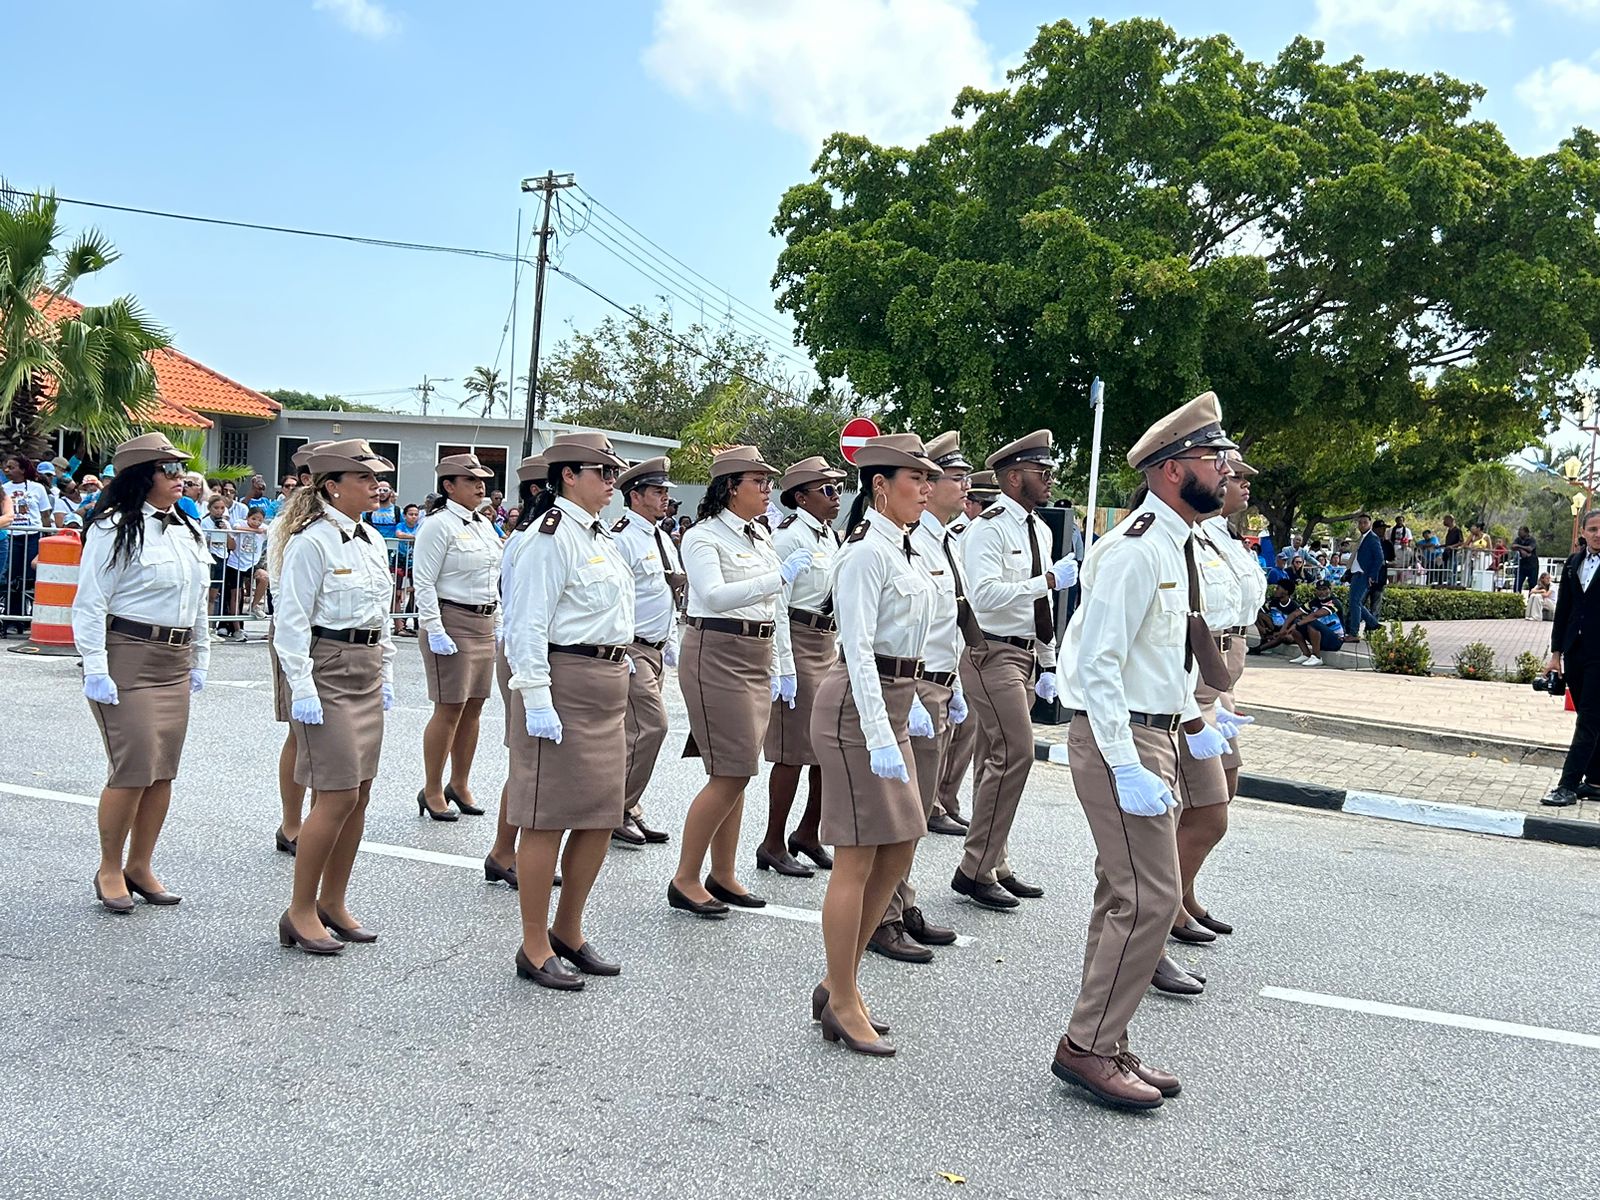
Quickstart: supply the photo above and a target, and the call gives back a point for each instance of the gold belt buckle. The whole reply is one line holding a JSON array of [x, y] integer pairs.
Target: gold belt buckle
[[175, 637]]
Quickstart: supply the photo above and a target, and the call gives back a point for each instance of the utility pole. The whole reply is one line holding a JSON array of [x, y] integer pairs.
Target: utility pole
[[426, 388], [547, 185]]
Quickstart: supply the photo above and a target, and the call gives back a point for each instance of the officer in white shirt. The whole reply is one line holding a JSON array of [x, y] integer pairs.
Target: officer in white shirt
[[659, 588], [1003, 555], [1131, 651]]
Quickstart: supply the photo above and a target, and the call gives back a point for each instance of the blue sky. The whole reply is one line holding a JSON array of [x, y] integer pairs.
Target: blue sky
[[416, 120]]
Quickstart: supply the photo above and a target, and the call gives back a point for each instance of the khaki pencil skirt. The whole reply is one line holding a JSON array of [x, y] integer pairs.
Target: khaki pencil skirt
[[859, 808], [788, 739], [578, 783], [727, 687], [143, 732], [342, 752], [468, 674]]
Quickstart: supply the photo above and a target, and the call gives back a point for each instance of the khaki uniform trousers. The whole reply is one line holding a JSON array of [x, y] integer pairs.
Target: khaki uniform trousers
[[954, 763], [998, 683], [928, 752], [644, 724], [1137, 890]]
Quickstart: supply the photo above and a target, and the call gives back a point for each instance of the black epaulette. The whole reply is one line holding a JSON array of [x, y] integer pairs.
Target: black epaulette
[[765, 522], [1141, 525], [788, 521], [622, 523], [858, 532], [551, 521], [990, 514], [957, 529]]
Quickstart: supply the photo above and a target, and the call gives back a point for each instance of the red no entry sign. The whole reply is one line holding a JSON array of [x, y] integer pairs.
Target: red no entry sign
[[854, 435]]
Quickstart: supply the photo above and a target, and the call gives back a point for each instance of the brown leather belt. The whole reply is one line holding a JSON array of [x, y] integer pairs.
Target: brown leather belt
[[146, 632], [890, 667], [356, 637], [1238, 630], [605, 653], [646, 642], [755, 629], [483, 610], [1167, 721], [1021, 643], [945, 679], [804, 616], [1223, 638]]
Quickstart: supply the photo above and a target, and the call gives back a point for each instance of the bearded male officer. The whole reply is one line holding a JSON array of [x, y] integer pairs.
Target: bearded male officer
[[1131, 652]]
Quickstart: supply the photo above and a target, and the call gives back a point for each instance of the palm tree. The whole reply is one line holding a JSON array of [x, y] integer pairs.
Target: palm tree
[[64, 366], [484, 384], [1486, 488]]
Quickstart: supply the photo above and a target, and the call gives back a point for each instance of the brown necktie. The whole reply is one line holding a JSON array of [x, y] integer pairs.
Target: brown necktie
[[676, 580], [1044, 625], [965, 621]]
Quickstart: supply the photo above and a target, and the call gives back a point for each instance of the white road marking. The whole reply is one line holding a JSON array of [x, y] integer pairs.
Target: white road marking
[[1428, 1016], [237, 683], [1435, 813], [809, 916]]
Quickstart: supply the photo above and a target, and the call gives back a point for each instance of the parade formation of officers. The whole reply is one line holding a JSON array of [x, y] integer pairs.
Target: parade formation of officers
[[872, 665]]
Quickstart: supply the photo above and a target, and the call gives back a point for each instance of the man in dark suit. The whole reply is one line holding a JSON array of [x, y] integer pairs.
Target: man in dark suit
[[1575, 651], [1366, 564]]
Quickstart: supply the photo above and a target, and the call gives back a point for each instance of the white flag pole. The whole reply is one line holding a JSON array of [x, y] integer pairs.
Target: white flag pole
[[1097, 401]]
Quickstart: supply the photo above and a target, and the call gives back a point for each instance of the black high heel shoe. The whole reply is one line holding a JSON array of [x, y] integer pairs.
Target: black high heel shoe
[[284, 843], [832, 1031], [422, 807], [817, 854], [118, 904], [819, 1001], [159, 899], [783, 864], [709, 909], [471, 810], [728, 896], [346, 933]]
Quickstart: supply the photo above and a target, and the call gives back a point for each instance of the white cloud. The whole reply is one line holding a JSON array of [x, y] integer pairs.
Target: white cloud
[[1405, 18], [367, 18], [1564, 93], [887, 69], [1584, 8]]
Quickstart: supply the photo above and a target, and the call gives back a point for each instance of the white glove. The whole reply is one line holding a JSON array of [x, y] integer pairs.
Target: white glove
[[1045, 689], [798, 561], [1141, 792], [441, 643], [1064, 573], [499, 634], [633, 667], [1208, 743], [307, 712], [787, 685], [544, 723], [921, 724], [388, 696], [958, 707], [100, 689], [777, 689], [889, 763], [1231, 724], [197, 681], [669, 653]]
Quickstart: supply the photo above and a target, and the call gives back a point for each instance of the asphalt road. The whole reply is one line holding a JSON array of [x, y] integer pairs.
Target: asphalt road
[[183, 1053]]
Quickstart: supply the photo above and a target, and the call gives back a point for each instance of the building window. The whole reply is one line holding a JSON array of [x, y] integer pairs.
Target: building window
[[235, 448], [390, 451], [287, 446]]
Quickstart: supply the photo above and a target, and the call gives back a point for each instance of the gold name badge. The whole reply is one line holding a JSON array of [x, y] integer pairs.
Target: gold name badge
[[344, 570], [598, 558], [1164, 586]]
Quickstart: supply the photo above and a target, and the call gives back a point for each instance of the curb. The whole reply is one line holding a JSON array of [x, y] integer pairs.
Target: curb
[[1433, 813]]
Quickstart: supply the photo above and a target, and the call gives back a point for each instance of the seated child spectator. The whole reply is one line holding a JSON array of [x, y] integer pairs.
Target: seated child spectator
[[1280, 622], [245, 579], [214, 526]]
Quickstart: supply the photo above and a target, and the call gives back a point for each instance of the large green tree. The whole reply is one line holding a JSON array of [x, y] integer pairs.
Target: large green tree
[[1378, 288], [311, 402], [64, 367]]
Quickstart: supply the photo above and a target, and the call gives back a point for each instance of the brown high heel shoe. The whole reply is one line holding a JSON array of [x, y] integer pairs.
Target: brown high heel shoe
[[832, 1031], [121, 905], [161, 899], [819, 1001], [346, 933], [315, 945]]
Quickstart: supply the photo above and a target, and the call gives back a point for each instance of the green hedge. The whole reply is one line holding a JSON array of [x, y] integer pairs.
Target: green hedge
[[1433, 604]]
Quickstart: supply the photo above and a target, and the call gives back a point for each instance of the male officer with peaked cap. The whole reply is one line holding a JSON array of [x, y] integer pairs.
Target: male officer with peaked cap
[[1130, 681], [1003, 558]]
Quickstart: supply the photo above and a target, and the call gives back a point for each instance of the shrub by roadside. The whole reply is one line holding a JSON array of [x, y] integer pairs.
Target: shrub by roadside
[[1396, 652], [1528, 667], [1433, 604], [1475, 661]]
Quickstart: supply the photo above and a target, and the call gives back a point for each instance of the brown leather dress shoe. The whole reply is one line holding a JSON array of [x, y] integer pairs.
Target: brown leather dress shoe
[[584, 957], [1164, 1082], [989, 895], [832, 1031], [551, 975], [890, 940], [121, 905], [1020, 888], [1188, 931], [654, 836], [346, 933], [628, 834], [1174, 980], [783, 863], [1105, 1078], [939, 823], [311, 945], [819, 1001], [917, 926], [1207, 921], [150, 896]]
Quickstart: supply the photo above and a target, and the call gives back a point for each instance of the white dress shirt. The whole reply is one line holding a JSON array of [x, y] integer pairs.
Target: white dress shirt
[[733, 573], [1586, 569], [1246, 567], [571, 587], [1125, 643], [998, 567], [1219, 585], [335, 574], [885, 604], [642, 542], [166, 585], [456, 557], [803, 531], [942, 651]]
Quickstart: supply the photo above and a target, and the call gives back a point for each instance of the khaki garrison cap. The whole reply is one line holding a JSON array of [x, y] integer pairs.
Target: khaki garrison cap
[[652, 472], [1035, 448], [896, 450], [809, 470], [946, 451], [1198, 424]]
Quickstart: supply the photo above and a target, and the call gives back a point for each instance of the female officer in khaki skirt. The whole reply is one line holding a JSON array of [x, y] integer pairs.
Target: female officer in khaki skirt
[[139, 621], [871, 807], [455, 574], [332, 637], [568, 624], [291, 796], [734, 665]]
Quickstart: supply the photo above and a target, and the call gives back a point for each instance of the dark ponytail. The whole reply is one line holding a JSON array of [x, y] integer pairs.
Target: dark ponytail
[[716, 497], [863, 500], [535, 506]]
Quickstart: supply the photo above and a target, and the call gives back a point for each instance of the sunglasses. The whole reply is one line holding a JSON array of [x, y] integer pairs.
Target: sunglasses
[[172, 469], [827, 489], [609, 474]]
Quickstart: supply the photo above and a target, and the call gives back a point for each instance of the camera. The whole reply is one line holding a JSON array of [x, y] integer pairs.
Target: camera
[[1551, 682]]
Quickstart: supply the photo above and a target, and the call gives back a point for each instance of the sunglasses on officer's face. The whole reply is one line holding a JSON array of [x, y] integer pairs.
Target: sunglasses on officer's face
[[827, 489], [172, 469], [609, 474]]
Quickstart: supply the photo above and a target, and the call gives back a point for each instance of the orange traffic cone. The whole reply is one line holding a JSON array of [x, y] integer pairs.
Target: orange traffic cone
[[54, 592]]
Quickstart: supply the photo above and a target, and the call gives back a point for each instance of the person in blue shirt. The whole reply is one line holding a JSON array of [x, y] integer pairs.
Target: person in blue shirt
[[1322, 624], [194, 487]]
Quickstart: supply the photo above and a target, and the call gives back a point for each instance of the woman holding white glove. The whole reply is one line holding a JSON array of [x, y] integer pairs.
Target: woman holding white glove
[[139, 621], [569, 618], [331, 636], [735, 663], [455, 577], [872, 809]]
